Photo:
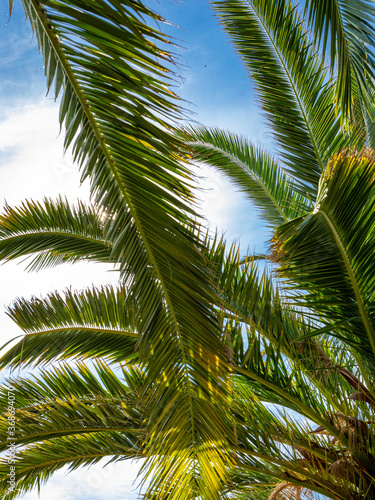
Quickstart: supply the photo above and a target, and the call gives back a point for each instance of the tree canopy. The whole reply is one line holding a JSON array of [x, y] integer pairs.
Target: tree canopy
[[232, 381]]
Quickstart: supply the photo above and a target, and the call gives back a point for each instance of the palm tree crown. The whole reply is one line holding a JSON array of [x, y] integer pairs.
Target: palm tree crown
[[232, 382]]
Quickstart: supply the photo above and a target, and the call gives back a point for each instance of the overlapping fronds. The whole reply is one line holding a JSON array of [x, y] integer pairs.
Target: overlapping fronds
[[345, 31], [329, 252], [293, 84], [85, 405], [262, 324], [292, 374], [281, 444], [191, 321], [256, 173], [283, 449], [113, 73], [77, 381], [36, 463], [70, 415]]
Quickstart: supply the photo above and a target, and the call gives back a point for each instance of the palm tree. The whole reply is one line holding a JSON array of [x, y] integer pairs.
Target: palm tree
[[230, 382]]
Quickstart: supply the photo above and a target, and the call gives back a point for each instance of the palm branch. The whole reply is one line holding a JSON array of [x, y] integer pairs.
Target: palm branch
[[70, 415], [101, 323], [256, 173], [291, 374], [345, 31], [329, 250], [293, 84]]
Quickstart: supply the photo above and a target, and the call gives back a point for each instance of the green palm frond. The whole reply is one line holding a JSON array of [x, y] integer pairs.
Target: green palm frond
[[55, 231], [278, 382], [71, 381], [279, 443], [70, 418], [271, 443], [345, 30], [258, 318], [256, 173], [294, 86], [230, 382], [69, 415], [88, 324], [67, 402], [38, 462], [328, 252]]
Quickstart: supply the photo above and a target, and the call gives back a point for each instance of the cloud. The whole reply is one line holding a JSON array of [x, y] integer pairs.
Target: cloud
[[33, 162], [227, 210]]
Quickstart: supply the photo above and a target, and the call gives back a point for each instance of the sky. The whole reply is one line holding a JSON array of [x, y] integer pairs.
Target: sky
[[33, 165]]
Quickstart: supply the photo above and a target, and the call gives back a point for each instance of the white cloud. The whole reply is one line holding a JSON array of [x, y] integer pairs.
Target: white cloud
[[33, 162], [226, 208]]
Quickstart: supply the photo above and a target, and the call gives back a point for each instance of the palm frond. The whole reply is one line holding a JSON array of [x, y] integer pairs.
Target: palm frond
[[258, 318], [328, 252], [294, 86], [256, 173], [55, 231], [272, 444], [69, 415], [36, 463], [67, 402], [88, 324], [71, 381], [345, 30]]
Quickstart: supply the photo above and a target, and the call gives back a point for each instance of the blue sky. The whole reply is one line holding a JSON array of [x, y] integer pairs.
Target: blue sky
[[33, 165]]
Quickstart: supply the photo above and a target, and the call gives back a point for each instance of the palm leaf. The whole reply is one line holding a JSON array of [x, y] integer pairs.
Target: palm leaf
[[38, 462], [281, 449], [251, 169], [67, 402], [55, 231], [70, 415], [294, 87], [71, 381], [88, 324], [257, 318], [346, 31], [328, 252]]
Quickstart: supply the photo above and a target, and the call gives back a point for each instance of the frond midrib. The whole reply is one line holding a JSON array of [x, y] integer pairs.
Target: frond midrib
[[70, 459], [68, 431], [56, 233], [112, 331], [353, 279]]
